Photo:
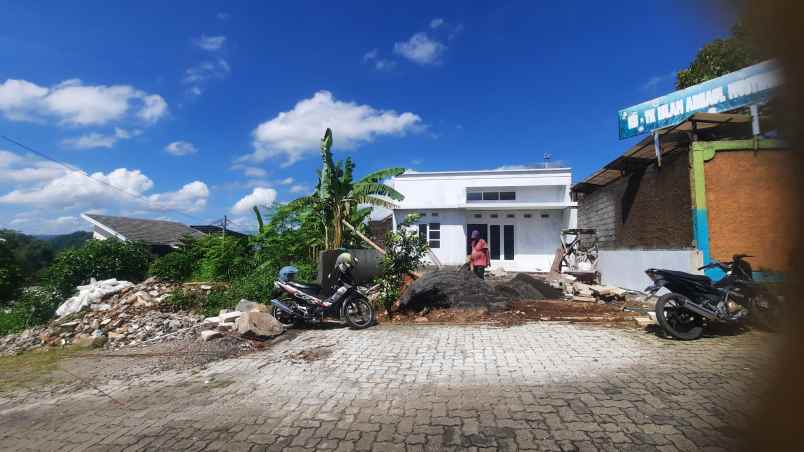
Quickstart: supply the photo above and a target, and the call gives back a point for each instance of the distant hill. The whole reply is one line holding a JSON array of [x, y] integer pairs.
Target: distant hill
[[34, 253], [60, 242]]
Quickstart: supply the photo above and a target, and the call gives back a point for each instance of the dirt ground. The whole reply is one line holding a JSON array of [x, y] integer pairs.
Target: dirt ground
[[523, 311]]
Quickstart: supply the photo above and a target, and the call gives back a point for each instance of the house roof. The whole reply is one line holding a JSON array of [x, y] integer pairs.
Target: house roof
[[152, 232], [708, 126], [212, 229]]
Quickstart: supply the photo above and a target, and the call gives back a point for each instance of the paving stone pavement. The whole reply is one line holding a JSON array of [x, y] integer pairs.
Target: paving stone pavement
[[540, 386]]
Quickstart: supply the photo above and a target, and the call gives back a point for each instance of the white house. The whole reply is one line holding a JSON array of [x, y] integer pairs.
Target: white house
[[520, 213]]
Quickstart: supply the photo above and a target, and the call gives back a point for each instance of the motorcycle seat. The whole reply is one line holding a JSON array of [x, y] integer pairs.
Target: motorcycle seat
[[310, 288], [700, 279]]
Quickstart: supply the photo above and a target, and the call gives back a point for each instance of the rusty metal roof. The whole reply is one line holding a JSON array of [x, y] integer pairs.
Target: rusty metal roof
[[672, 139]]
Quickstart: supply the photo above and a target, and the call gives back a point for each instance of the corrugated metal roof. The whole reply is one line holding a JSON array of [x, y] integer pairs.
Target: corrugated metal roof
[[672, 139]]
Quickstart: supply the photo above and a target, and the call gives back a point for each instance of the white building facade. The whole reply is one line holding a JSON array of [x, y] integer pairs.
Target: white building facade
[[520, 213]]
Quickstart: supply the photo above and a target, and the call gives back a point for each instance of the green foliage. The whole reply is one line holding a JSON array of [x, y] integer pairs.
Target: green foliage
[[10, 275], [720, 57], [31, 254], [99, 259], [61, 242], [338, 196], [210, 258], [34, 306], [405, 252]]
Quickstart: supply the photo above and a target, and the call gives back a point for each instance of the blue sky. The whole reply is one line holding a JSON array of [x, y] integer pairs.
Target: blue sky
[[201, 109]]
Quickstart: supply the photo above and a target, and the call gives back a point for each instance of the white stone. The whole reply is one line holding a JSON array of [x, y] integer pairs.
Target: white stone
[[229, 316], [207, 335]]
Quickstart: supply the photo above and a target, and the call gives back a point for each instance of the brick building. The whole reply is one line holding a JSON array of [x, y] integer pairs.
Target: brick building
[[716, 191]]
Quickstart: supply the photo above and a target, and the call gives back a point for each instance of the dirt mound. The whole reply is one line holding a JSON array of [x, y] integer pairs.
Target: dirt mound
[[520, 287], [453, 289]]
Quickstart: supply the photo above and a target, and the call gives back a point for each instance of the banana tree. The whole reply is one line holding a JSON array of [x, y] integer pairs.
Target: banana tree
[[339, 197]]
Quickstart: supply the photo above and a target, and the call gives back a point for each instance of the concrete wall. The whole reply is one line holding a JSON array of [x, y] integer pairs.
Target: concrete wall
[[448, 190], [367, 268], [626, 268], [649, 209], [535, 238], [750, 205]]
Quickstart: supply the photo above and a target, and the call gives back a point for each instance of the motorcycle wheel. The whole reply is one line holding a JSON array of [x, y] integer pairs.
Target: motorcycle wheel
[[358, 313], [287, 320], [677, 321]]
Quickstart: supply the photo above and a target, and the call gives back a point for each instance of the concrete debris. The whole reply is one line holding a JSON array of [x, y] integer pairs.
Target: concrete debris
[[247, 306], [258, 324], [111, 314], [90, 294], [229, 316], [208, 335]]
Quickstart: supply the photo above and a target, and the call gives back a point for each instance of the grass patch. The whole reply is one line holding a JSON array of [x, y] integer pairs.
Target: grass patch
[[35, 368]]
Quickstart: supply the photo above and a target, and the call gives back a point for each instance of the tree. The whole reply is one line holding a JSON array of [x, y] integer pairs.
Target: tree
[[338, 197], [10, 275], [721, 57]]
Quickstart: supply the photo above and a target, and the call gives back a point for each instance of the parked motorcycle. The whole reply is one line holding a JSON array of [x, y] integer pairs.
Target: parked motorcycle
[[695, 299], [301, 302]]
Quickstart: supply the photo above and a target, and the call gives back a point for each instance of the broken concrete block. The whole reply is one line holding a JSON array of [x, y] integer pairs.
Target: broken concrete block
[[207, 335], [584, 299], [644, 321], [212, 320], [259, 324], [226, 326], [246, 306], [229, 316]]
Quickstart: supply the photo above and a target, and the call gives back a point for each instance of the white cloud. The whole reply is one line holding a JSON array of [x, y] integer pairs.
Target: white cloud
[[18, 169], [95, 140], [253, 171], [370, 55], [261, 196], [421, 49], [223, 16], [437, 22], [191, 197], [298, 188], [154, 108], [198, 76], [49, 187], [296, 133], [180, 148], [287, 181], [384, 65], [73, 103], [657, 80], [210, 43]]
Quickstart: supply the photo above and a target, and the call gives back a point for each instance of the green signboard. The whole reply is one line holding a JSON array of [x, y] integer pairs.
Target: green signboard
[[752, 85]]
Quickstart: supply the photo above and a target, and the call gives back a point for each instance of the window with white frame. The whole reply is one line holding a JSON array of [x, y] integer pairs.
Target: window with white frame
[[490, 196], [431, 232]]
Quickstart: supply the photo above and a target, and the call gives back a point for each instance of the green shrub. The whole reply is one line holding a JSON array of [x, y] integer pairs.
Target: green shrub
[[178, 265], [10, 275], [34, 306], [99, 259], [222, 258], [405, 252]]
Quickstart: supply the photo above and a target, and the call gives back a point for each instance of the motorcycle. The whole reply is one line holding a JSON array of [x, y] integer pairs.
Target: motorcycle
[[301, 302], [695, 299]]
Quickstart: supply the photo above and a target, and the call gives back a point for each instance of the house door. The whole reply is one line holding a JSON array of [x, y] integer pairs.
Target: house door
[[484, 234]]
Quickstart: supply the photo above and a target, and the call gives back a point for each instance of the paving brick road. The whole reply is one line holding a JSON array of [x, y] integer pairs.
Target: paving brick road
[[541, 386]]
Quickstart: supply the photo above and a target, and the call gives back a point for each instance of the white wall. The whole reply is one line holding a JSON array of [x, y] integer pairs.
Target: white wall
[[448, 190], [535, 239], [626, 268]]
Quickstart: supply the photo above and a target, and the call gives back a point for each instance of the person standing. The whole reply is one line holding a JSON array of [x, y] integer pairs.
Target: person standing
[[479, 258]]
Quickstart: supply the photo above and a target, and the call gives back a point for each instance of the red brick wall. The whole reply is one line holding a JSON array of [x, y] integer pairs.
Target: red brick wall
[[751, 206]]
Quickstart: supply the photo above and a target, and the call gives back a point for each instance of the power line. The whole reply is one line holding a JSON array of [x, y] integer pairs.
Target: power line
[[83, 173]]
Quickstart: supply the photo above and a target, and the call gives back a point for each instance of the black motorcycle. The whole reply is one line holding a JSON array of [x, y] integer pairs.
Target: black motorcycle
[[296, 302], [695, 299]]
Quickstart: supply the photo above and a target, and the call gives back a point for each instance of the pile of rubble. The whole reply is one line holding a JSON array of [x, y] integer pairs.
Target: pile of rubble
[[249, 319], [112, 314]]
